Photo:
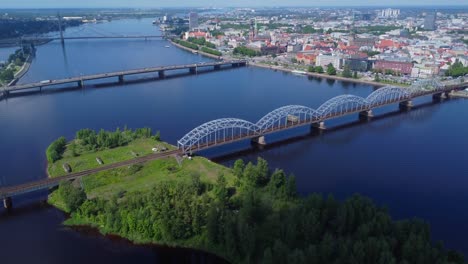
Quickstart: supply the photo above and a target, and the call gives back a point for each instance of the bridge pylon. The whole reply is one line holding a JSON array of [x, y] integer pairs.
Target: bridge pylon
[[406, 105], [319, 125], [260, 141], [7, 203]]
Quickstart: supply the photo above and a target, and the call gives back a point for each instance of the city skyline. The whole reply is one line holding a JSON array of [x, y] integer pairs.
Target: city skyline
[[208, 3]]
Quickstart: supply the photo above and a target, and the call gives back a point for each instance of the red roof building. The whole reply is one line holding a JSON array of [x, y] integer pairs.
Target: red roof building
[[395, 66]]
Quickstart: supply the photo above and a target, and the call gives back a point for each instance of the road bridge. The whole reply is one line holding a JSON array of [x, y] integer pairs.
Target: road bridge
[[120, 75]]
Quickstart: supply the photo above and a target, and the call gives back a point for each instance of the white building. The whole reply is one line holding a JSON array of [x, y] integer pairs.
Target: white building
[[324, 60], [390, 13]]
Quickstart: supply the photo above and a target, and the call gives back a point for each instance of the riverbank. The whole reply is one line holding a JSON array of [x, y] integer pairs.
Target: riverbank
[[23, 70], [320, 75], [196, 51]]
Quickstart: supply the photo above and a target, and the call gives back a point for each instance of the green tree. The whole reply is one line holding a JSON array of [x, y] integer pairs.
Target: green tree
[[319, 69], [346, 72], [355, 75], [311, 69], [71, 196], [331, 69]]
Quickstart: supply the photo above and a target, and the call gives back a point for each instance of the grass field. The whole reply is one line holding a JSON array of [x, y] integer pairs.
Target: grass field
[[87, 160], [141, 178]]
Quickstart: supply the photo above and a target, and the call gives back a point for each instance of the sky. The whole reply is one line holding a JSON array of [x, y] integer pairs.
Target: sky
[[217, 3]]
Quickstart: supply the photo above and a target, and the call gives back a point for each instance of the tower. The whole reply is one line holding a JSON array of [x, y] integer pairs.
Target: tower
[[60, 28]]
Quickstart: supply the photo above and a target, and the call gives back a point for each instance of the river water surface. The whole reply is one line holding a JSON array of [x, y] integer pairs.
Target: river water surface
[[414, 163]]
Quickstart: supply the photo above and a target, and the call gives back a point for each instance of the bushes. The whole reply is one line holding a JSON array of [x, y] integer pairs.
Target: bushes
[[211, 51], [186, 44], [55, 150], [107, 139], [72, 197], [246, 52]]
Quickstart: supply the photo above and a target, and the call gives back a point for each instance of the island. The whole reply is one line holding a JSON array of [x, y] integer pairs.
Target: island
[[249, 213]]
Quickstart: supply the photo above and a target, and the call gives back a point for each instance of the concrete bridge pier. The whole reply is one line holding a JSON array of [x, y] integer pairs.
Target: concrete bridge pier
[[319, 125], [80, 84], [406, 105], [366, 115], [260, 141], [439, 96], [161, 74], [193, 70], [7, 203], [121, 78]]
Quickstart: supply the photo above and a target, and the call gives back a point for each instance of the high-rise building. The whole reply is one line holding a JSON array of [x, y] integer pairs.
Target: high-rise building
[[430, 21], [390, 13], [193, 20]]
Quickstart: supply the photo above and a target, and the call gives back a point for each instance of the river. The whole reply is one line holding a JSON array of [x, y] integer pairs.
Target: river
[[413, 163]]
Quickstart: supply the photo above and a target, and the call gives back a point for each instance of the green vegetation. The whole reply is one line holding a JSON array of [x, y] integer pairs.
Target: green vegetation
[[110, 147], [311, 30], [372, 53], [319, 69], [457, 69], [55, 150], [247, 214], [245, 52], [355, 75], [186, 44], [347, 72], [14, 63], [13, 28], [331, 69], [311, 69], [378, 30], [211, 51], [202, 42]]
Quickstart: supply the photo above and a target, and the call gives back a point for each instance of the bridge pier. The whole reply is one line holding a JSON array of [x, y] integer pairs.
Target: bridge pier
[[406, 105], [161, 74], [319, 125], [439, 96], [193, 70], [366, 115], [217, 67], [121, 78], [80, 84], [259, 141], [7, 203]]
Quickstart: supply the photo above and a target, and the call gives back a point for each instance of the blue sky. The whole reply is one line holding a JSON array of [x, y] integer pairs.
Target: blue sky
[[216, 3]]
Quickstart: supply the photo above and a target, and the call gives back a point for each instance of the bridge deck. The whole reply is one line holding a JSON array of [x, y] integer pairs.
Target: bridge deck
[[121, 73], [51, 182]]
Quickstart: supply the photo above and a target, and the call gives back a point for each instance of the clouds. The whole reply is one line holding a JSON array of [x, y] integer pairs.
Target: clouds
[[213, 3]]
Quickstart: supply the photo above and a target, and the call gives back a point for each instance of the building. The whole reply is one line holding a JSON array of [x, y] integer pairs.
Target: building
[[397, 67], [430, 21], [193, 20], [390, 13], [357, 64], [307, 58], [325, 60]]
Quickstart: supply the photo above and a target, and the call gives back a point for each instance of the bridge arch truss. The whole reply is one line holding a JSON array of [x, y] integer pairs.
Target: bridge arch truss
[[217, 132], [287, 115], [341, 105], [387, 95]]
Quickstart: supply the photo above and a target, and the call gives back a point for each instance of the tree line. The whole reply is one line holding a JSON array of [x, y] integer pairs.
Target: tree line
[[259, 218]]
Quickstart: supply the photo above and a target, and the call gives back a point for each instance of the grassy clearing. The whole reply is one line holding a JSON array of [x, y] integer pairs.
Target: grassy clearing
[[87, 160], [141, 178]]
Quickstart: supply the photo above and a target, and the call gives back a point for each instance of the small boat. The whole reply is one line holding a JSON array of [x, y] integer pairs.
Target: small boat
[[299, 72], [167, 46]]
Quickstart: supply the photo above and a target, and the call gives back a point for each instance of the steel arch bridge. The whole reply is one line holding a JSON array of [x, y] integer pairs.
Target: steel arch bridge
[[228, 130], [217, 132]]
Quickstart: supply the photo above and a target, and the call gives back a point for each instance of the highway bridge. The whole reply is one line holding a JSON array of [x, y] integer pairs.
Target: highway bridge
[[120, 75]]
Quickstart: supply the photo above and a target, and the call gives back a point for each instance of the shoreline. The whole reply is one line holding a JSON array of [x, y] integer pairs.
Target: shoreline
[[198, 51], [279, 68], [24, 69], [323, 75]]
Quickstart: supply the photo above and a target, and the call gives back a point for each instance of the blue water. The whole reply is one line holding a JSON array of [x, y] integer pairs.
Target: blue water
[[413, 163]]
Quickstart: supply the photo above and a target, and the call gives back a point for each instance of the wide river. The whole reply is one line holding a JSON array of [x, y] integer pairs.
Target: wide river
[[414, 163]]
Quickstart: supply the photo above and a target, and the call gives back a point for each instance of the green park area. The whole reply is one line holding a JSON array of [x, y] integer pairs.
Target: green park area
[[247, 213]]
